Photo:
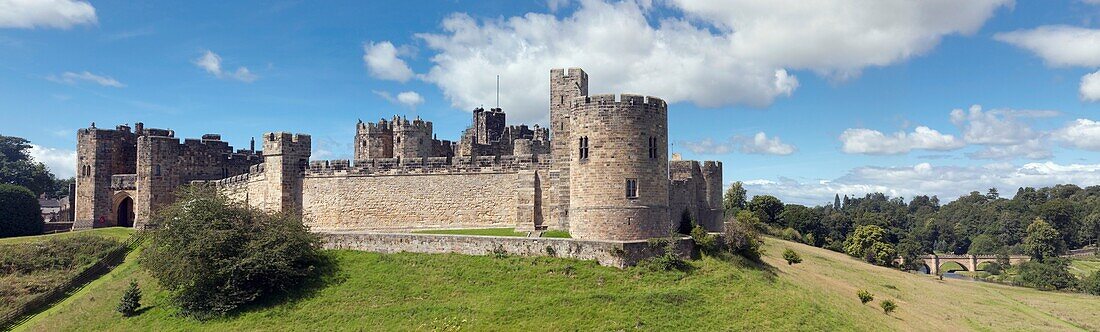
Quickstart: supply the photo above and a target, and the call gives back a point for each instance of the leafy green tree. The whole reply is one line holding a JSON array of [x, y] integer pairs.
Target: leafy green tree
[[1091, 284], [741, 237], [708, 243], [984, 244], [20, 214], [1042, 241], [1092, 228], [131, 300], [18, 168], [767, 207], [836, 202], [869, 243], [791, 257], [1051, 274], [735, 198], [215, 256]]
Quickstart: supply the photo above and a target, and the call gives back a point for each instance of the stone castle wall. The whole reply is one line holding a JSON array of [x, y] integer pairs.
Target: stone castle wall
[[608, 253]]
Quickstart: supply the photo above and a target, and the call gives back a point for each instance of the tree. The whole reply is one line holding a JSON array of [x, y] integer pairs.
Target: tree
[[984, 244], [1092, 228], [214, 256], [767, 207], [131, 300], [18, 168], [791, 257], [1091, 284], [20, 214], [734, 198], [869, 243], [836, 202], [740, 235], [1042, 240], [1051, 274], [992, 193]]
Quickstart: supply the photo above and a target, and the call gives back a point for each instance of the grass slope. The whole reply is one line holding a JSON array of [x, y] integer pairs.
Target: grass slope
[[433, 292], [117, 233]]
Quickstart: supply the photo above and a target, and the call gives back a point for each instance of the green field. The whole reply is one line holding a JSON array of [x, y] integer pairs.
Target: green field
[[1084, 267], [439, 292], [117, 233]]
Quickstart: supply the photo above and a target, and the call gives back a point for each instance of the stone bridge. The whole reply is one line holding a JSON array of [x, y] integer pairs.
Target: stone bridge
[[969, 262]]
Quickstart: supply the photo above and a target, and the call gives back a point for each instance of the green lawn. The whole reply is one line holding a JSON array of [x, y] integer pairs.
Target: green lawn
[[118, 233], [1084, 267], [407, 291], [475, 231], [556, 234]]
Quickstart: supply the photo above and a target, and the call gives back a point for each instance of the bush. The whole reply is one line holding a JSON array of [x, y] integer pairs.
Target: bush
[[669, 259], [888, 306], [869, 243], [131, 300], [741, 237], [865, 296], [790, 234], [1091, 284], [994, 268], [1051, 274], [20, 214], [708, 243], [214, 257], [792, 257]]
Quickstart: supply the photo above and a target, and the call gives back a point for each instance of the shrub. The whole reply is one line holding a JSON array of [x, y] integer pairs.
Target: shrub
[[869, 243], [214, 256], [865, 296], [20, 214], [790, 234], [1091, 284], [551, 252], [792, 257], [708, 243], [1051, 274], [994, 268], [741, 237], [131, 300], [669, 259], [498, 252], [888, 306]]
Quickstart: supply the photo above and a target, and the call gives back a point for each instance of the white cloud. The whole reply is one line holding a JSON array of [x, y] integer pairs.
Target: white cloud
[[62, 163], [408, 99], [1090, 86], [947, 182], [212, 63], [1081, 133], [994, 127], [1030, 149], [735, 52], [1058, 45], [757, 144], [61, 14], [554, 5], [383, 62], [867, 141], [72, 78]]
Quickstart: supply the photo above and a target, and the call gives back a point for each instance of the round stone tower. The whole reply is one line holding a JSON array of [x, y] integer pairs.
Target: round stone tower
[[618, 168]]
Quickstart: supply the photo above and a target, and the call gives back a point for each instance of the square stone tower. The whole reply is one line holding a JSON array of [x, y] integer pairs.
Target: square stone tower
[[564, 87]]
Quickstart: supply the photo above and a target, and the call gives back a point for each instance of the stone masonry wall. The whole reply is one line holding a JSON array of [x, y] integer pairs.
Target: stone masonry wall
[[410, 201], [608, 253]]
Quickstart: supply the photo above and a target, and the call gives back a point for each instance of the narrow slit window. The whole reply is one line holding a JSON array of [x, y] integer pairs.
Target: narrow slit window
[[583, 147], [652, 148], [631, 188]]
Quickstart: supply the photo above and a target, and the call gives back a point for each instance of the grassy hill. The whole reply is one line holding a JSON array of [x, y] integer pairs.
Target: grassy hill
[[440, 292], [117, 233]]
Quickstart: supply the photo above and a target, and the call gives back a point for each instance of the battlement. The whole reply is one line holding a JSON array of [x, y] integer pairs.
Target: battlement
[[254, 172], [430, 165], [382, 126], [711, 166], [571, 72], [280, 143], [404, 124], [621, 99]]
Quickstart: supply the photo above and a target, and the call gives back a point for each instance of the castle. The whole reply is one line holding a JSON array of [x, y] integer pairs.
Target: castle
[[601, 170]]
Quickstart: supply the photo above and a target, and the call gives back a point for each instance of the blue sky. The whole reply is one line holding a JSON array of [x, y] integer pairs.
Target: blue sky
[[800, 100]]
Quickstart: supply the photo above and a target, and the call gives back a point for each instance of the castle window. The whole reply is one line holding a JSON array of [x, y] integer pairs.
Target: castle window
[[584, 147], [156, 170], [631, 188], [652, 148]]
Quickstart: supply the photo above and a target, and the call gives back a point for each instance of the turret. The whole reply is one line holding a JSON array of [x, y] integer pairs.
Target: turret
[[286, 157]]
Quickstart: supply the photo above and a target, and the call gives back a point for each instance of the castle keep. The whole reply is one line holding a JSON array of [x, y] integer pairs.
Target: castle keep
[[601, 170]]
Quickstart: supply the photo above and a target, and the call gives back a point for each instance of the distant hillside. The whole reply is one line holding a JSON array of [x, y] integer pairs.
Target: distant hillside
[[437, 292]]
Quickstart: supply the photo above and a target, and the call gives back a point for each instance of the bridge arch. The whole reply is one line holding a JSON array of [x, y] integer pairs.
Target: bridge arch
[[952, 266]]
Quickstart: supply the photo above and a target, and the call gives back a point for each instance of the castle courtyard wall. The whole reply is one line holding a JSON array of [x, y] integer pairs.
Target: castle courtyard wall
[[351, 202]]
